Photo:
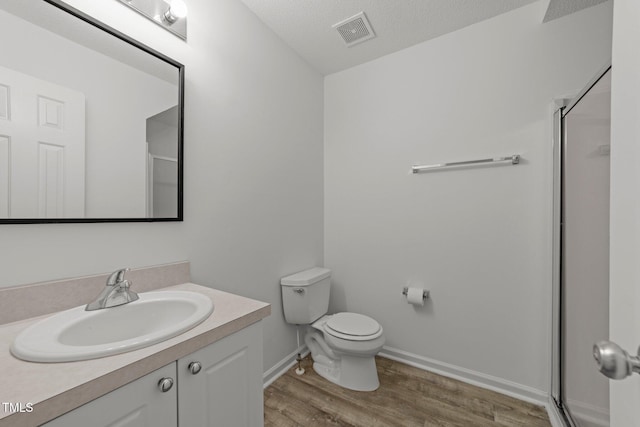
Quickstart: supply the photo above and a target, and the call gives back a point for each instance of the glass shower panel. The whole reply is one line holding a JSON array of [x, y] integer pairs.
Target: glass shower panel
[[165, 187], [585, 243]]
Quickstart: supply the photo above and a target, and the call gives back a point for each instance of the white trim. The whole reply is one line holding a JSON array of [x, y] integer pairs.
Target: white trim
[[510, 388], [165, 158], [283, 366], [588, 415], [149, 176], [554, 414], [489, 382]]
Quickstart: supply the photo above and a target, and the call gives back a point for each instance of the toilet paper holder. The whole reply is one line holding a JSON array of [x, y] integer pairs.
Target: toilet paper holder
[[425, 293]]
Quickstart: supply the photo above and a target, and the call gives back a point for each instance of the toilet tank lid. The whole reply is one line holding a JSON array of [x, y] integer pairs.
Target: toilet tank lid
[[306, 277]]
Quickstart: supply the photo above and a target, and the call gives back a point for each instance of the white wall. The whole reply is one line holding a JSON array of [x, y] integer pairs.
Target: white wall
[[115, 113], [253, 170], [480, 239]]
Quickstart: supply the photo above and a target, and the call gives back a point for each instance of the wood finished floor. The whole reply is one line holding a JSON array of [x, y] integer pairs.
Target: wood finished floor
[[407, 397]]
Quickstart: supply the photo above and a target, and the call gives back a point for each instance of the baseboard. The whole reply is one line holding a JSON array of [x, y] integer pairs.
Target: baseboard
[[588, 415], [518, 391], [509, 388], [556, 418], [283, 366]]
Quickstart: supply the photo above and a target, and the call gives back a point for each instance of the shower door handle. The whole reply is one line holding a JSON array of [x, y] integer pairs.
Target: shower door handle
[[614, 362]]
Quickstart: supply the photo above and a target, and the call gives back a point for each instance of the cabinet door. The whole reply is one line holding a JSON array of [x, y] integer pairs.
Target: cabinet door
[[227, 391], [140, 403]]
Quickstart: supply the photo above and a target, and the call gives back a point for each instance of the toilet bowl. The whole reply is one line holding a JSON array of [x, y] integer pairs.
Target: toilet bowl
[[343, 347]]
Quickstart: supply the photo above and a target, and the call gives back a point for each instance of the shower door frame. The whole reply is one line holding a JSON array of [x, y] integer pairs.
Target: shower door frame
[[559, 165]]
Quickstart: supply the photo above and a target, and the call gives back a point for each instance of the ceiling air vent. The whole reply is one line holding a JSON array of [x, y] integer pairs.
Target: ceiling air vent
[[355, 30]]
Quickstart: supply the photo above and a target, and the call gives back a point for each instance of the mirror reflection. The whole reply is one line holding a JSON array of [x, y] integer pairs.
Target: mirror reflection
[[90, 124]]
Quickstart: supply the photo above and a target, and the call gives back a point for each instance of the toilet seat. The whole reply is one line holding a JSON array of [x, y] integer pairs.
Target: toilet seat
[[352, 327]]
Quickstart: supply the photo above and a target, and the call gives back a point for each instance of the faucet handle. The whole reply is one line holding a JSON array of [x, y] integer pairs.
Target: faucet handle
[[117, 277]]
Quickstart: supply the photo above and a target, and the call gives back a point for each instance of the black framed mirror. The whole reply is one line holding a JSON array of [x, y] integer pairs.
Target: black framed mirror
[[91, 121]]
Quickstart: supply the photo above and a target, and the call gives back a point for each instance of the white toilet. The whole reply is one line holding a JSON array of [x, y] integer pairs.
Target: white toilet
[[343, 345]]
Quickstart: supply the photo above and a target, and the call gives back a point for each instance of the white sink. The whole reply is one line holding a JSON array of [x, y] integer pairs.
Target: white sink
[[77, 334]]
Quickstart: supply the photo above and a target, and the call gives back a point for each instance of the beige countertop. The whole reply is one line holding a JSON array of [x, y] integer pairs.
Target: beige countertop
[[55, 388]]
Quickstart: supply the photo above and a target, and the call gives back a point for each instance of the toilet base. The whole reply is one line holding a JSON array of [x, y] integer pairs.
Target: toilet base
[[352, 372]]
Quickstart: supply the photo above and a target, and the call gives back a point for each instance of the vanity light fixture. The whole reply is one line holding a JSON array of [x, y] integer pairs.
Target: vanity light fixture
[[177, 10], [169, 14]]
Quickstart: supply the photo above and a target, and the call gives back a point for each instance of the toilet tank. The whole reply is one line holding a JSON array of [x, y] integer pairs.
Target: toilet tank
[[305, 295]]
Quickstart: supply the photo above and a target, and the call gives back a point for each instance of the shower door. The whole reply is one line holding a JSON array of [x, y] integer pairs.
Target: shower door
[[582, 392]]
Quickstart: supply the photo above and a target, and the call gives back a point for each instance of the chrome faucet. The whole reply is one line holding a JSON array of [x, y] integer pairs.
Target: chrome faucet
[[115, 293]]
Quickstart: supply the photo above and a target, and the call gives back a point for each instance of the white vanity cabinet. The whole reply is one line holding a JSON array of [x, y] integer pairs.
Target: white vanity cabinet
[[221, 385], [218, 385], [137, 404]]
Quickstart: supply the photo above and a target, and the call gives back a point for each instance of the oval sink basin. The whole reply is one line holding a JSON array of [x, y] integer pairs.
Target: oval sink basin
[[77, 334]]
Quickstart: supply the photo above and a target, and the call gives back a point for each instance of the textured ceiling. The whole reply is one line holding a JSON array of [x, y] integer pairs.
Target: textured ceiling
[[306, 25]]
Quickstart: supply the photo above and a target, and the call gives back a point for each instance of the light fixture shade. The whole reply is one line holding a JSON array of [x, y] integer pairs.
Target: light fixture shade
[[177, 10]]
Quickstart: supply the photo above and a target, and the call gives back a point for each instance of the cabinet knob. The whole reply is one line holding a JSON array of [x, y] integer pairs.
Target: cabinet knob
[[165, 384], [195, 367]]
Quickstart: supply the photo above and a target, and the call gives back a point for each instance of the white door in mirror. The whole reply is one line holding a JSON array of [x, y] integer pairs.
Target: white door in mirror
[[42, 148], [77, 334]]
